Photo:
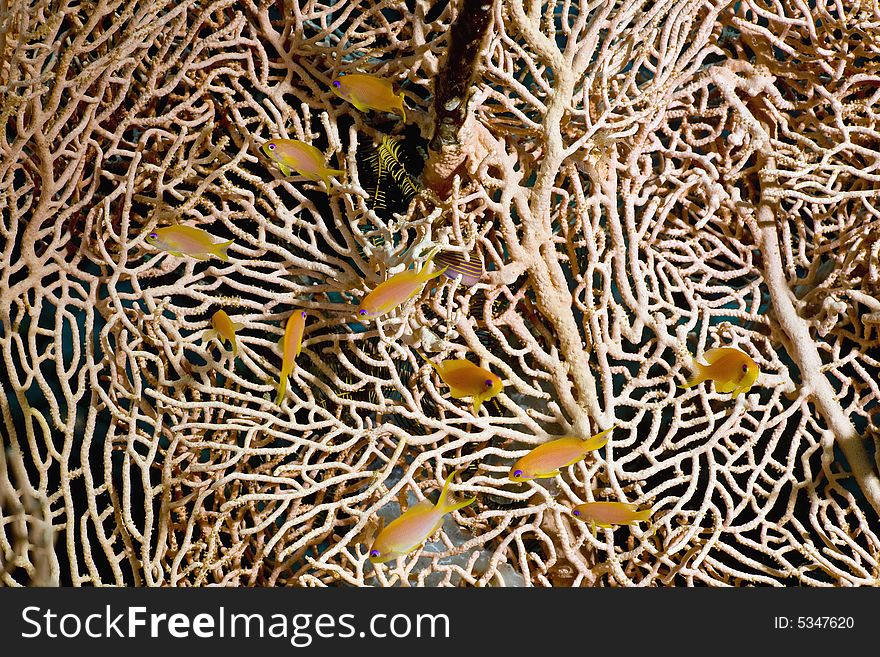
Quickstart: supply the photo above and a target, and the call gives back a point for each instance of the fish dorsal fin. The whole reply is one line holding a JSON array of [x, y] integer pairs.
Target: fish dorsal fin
[[714, 355]]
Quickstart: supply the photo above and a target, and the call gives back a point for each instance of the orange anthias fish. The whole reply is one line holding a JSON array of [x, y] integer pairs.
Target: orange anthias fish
[[290, 345], [547, 459], [608, 514], [731, 369], [181, 240], [368, 92], [294, 155], [224, 328], [409, 531], [467, 380], [398, 289]]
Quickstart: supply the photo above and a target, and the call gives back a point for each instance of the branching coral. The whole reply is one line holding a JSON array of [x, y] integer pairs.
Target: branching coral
[[642, 180]]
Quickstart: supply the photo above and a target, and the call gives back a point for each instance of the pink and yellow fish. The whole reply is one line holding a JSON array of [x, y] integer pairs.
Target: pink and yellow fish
[[224, 329], [294, 155], [546, 460], [290, 345], [415, 526], [368, 92], [398, 289], [608, 514], [731, 369], [467, 380], [179, 240]]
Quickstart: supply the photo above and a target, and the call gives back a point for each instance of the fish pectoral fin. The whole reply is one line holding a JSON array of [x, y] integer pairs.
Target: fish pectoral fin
[[285, 170], [359, 105], [725, 386], [458, 393]]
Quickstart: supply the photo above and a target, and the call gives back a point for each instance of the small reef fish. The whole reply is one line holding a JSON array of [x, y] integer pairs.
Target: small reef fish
[[470, 271], [224, 329], [607, 514], [731, 369], [294, 155], [398, 289], [411, 529], [368, 92], [181, 240], [290, 345], [546, 460], [467, 380]]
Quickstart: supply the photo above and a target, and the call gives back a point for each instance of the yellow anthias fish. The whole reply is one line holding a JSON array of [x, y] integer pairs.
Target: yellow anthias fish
[[224, 329], [467, 380], [368, 92], [409, 531], [547, 459], [398, 289], [608, 514], [731, 369], [294, 155], [290, 345], [181, 240]]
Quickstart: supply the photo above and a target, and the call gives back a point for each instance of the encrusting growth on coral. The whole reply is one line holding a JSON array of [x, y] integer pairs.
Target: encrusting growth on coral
[[611, 192]]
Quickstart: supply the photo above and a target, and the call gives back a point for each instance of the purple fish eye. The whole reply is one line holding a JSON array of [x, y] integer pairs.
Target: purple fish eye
[[271, 147], [362, 312], [518, 473], [576, 512], [154, 236], [745, 368], [303, 313], [374, 553], [337, 83], [488, 383]]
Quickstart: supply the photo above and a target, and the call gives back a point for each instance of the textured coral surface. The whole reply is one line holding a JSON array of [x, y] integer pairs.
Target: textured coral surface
[[643, 181]]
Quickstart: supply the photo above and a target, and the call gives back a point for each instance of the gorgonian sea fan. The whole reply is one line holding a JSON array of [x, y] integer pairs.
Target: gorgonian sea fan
[[640, 181]]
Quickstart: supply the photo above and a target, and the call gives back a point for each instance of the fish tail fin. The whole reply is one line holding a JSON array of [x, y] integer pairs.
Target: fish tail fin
[[237, 326], [643, 516], [282, 390], [444, 505], [220, 250], [698, 377], [402, 109], [599, 440], [435, 274], [430, 362], [330, 172]]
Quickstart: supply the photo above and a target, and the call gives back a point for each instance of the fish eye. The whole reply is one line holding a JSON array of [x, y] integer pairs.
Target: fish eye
[[362, 312], [488, 383], [374, 553], [337, 83], [518, 473], [303, 313], [576, 512], [745, 368], [154, 236], [271, 146]]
